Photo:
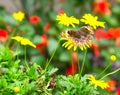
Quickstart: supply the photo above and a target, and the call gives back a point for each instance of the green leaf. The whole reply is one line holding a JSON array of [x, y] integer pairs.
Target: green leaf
[[116, 10], [27, 29], [52, 16], [52, 71], [52, 45], [64, 56], [32, 72], [3, 83]]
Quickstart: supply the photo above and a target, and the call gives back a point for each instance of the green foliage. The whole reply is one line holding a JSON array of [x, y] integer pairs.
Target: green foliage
[[74, 85]]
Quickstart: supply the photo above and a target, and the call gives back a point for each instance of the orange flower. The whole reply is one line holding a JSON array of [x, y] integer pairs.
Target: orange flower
[[112, 84], [117, 42], [61, 12], [43, 43], [117, 91], [100, 33], [96, 49], [72, 69], [102, 7], [47, 27], [3, 35], [114, 33], [34, 19]]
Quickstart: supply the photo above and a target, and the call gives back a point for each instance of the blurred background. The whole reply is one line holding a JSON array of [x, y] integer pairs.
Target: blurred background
[[46, 33]]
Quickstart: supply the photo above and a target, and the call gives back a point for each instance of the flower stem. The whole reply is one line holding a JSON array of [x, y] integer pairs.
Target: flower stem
[[18, 48], [78, 64], [72, 63], [47, 64], [83, 62], [111, 73], [104, 70], [9, 41], [25, 57]]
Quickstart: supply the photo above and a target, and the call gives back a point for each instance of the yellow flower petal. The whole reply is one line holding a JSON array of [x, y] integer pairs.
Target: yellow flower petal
[[24, 41], [92, 21], [19, 16], [68, 43], [81, 47], [75, 47], [67, 21], [70, 46], [17, 38], [97, 83]]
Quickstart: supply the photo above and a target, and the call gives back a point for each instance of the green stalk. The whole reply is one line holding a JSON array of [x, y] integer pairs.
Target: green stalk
[[78, 63], [47, 64], [83, 62], [111, 73], [72, 63], [104, 70], [25, 58], [9, 41], [18, 47]]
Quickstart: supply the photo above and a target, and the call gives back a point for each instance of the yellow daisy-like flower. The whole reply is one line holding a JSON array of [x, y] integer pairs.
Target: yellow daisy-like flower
[[97, 83], [67, 21], [24, 41], [92, 21], [16, 89], [78, 38], [19, 16], [113, 58]]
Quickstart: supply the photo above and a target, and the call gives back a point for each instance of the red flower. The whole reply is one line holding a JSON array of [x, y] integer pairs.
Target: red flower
[[114, 33], [96, 49], [100, 33], [102, 7], [3, 35], [43, 43], [72, 69], [34, 19], [47, 27], [117, 42], [61, 12], [112, 84], [117, 91]]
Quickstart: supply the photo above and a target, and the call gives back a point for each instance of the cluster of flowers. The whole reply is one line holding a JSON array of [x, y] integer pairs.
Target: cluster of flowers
[[20, 16], [71, 37]]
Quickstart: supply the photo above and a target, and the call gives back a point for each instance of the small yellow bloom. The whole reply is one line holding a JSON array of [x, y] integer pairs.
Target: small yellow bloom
[[16, 89], [67, 21], [19, 16], [96, 83], [92, 21], [24, 41], [113, 58]]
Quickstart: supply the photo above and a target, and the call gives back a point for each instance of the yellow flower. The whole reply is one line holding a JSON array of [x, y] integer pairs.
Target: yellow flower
[[81, 38], [24, 41], [19, 16], [96, 83], [67, 21], [16, 89], [113, 58], [92, 21]]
